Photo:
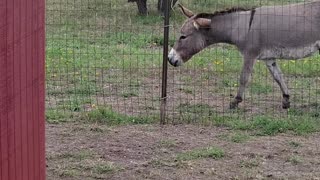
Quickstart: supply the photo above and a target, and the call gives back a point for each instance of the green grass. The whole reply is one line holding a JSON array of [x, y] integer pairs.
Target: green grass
[[82, 164], [74, 103], [79, 155], [273, 126], [239, 137], [110, 117], [208, 152], [264, 125], [311, 110], [102, 51], [236, 136], [54, 116], [259, 88]]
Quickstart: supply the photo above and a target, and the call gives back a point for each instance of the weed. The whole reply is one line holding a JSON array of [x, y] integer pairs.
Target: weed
[[186, 90], [104, 168], [162, 163], [167, 144], [80, 155], [77, 129], [252, 163], [196, 108], [96, 129], [230, 82], [68, 173], [209, 152], [295, 160], [294, 144]]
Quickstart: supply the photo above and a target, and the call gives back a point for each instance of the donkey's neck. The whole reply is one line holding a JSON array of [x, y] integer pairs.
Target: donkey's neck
[[221, 30], [230, 28]]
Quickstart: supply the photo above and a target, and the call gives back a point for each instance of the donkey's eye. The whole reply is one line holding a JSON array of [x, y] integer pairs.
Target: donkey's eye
[[183, 37]]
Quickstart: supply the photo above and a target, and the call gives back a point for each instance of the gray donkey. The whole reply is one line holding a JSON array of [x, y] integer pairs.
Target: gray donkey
[[264, 33]]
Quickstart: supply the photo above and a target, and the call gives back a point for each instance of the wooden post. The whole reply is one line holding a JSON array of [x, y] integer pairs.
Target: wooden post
[[22, 83], [165, 64]]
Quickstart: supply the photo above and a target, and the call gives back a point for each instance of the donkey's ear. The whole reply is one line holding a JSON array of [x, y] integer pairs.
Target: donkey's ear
[[186, 11], [202, 23]]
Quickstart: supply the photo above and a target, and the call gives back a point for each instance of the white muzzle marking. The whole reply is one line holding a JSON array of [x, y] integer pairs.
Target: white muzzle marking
[[174, 58]]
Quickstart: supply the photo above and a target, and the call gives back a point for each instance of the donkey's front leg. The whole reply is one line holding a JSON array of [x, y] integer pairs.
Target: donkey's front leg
[[244, 80]]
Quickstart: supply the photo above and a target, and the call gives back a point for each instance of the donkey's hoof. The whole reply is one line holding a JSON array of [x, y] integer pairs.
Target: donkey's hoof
[[286, 105], [233, 105]]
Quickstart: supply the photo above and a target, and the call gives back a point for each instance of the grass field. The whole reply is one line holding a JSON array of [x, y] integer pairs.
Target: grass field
[[100, 53], [104, 67]]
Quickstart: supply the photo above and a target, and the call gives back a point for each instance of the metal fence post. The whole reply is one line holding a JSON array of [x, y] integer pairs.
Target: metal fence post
[[165, 63]]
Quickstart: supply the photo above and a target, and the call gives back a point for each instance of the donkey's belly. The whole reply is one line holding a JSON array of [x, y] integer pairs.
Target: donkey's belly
[[289, 53]]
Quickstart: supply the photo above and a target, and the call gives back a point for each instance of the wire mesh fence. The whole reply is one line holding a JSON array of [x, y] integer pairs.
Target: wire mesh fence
[[103, 54]]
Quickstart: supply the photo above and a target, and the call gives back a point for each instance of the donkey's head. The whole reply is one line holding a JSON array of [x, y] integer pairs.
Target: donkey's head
[[192, 40]]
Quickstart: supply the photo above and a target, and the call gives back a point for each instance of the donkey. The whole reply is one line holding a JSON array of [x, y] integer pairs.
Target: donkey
[[264, 33]]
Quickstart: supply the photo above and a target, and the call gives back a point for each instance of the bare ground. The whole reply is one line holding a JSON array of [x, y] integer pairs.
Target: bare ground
[[86, 151]]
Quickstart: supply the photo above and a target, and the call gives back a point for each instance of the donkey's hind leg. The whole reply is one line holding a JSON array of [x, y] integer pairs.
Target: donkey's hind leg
[[278, 77]]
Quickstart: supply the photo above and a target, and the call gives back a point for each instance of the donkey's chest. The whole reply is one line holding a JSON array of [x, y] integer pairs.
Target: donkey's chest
[[289, 52]]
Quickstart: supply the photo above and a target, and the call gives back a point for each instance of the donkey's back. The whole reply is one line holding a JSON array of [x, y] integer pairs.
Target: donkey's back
[[285, 32]]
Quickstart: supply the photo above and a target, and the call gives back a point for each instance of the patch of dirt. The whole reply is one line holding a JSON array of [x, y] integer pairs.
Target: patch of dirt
[[85, 151]]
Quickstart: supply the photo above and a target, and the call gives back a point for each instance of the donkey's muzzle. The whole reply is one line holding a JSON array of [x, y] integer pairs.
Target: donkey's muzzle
[[173, 63], [174, 58]]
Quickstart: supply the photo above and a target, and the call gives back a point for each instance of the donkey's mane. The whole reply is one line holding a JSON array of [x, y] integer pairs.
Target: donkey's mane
[[222, 12]]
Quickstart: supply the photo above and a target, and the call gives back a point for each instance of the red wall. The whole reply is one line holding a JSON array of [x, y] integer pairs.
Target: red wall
[[22, 54]]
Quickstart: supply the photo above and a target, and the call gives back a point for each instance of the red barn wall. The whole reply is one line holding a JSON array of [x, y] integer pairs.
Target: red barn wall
[[22, 71]]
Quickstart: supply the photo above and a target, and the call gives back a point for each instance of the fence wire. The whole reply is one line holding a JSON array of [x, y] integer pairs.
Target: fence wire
[[103, 54]]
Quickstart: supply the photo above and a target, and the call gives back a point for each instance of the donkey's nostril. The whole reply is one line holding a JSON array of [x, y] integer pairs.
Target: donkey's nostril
[[175, 64], [171, 63]]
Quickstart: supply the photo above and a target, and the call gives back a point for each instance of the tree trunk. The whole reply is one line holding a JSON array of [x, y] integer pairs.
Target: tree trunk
[[161, 7], [142, 7]]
